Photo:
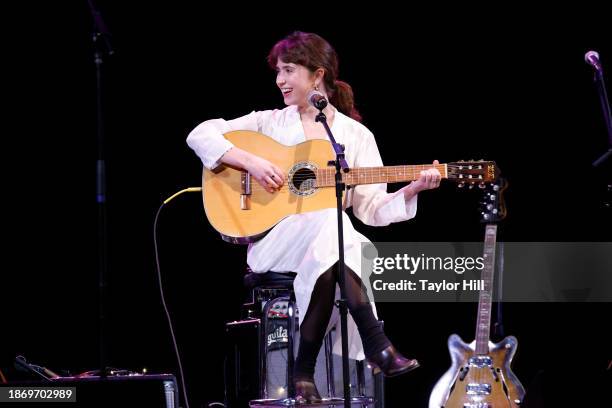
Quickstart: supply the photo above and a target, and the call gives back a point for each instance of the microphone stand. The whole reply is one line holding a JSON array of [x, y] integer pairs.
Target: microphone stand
[[340, 164], [605, 107], [102, 48]]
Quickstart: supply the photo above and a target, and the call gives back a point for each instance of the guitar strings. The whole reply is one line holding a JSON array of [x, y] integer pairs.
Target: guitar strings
[[328, 176], [364, 172], [365, 175]]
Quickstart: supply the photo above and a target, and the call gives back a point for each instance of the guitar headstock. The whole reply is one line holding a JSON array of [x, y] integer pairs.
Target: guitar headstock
[[473, 173], [493, 205]]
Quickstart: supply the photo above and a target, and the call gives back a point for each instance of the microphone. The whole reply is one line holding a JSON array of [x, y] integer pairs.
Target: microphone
[[592, 58], [317, 99]]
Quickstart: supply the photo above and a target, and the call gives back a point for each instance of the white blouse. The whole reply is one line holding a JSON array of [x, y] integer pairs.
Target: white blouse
[[308, 243]]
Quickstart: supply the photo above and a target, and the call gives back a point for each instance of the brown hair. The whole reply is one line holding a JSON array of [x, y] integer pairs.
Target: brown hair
[[313, 52]]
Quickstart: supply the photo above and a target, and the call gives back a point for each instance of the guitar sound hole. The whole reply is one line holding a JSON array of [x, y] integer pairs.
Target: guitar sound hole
[[303, 181]]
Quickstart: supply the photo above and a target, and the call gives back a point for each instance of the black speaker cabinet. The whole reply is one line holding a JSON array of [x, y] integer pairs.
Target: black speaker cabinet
[[242, 365]]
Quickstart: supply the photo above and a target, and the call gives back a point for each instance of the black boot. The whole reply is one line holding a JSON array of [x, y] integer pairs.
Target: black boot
[[303, 374], [391, 362], [306, 391]]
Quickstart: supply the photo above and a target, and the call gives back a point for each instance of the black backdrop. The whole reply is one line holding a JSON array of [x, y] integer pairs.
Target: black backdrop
[[510, 87]]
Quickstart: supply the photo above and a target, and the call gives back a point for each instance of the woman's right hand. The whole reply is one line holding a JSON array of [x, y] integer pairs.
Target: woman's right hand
[[269, 175]]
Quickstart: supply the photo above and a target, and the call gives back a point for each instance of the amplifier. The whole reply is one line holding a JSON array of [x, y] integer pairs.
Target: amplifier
[[137, 390]]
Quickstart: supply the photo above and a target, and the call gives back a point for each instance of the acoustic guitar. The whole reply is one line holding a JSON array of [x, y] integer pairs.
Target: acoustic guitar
[[242, 211]]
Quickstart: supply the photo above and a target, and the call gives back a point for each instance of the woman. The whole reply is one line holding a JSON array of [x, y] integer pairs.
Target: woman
[[307, 243]]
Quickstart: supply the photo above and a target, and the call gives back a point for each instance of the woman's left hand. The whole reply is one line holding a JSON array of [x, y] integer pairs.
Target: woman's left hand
[[429, 179]]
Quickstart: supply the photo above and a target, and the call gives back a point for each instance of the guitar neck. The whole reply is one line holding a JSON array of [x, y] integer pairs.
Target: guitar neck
[[483, 323], [374, 175]]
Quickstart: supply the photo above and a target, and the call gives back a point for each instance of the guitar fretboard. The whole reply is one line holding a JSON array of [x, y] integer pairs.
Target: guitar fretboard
[[483, 323], [373, 175]]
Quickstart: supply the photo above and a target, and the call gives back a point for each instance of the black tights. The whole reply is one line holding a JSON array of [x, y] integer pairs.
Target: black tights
[[312, 330]]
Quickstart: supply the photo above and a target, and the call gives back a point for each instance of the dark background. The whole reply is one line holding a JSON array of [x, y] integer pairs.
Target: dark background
[[511, 87]]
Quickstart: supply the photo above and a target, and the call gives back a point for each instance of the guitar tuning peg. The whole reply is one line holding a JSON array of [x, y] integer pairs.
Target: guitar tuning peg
[[461, 184], [481, 185], [471, 186]]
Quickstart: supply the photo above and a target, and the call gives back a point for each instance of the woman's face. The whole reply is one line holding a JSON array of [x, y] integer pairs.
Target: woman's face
[[295, 82]]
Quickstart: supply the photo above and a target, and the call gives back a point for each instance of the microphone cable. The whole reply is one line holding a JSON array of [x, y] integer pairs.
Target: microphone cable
[[161, 289]]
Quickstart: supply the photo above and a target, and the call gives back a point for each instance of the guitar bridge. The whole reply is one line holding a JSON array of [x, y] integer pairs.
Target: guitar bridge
[[245, 193]]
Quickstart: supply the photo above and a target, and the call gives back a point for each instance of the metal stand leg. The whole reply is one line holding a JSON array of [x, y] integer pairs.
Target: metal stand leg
[[329, 365], [360, 378], [290, 357]]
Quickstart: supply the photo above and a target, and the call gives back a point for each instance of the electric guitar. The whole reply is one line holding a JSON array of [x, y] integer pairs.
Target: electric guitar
[[241, 210], [480, 375]]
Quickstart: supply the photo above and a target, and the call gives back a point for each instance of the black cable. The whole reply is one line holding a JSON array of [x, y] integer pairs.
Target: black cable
[[161, 291]]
